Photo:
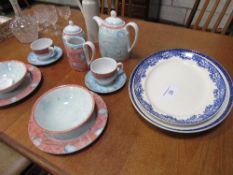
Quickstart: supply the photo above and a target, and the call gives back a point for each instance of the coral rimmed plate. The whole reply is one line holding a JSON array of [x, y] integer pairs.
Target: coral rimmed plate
[[28, 85], [54, 146]]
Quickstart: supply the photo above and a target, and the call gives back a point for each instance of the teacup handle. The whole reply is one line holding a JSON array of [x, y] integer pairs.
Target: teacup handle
[[92, 46], [52, 48], [136, 29], [120, 66]]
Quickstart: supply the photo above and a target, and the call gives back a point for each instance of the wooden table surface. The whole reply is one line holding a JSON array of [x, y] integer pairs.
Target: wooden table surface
[[129, 144]]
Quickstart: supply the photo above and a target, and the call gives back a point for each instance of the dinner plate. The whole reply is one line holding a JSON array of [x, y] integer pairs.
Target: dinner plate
[[51, 145], [28, 85], [34, 60], [179, 87], [214, 121]]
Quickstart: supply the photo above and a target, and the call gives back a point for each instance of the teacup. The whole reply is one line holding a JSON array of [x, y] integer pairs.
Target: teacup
[[43, 48], [64, 111], [78, 54], [105, 70]]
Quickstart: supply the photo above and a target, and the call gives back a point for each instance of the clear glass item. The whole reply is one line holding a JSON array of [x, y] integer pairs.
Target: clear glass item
[[53, 18], [64, 12], [24, 27], [40, 13]]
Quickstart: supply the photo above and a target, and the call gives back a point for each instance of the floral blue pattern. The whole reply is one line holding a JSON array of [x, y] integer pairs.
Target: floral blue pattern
[[218, 120], [70, 148], [219, 93], [114, 43]]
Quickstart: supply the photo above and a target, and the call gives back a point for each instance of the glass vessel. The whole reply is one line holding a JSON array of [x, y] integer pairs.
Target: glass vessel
[[24, 27], [64, 12]]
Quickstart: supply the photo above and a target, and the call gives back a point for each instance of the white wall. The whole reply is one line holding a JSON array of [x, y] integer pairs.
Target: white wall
[[178, 11], [65, 2]]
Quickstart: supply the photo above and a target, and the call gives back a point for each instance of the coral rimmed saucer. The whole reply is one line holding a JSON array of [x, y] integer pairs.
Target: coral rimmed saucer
[[54, 146], [28, 85]]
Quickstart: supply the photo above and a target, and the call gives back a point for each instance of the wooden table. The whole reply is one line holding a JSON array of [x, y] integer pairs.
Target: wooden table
[[129, 145]]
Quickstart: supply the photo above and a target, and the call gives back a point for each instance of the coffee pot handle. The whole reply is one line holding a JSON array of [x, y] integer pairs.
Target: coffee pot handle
[[136, 29], [92, 46]]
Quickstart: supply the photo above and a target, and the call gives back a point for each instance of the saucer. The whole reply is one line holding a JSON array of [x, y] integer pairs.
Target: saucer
[[28, 85], [55, 146], [116, 85], [34, 60]]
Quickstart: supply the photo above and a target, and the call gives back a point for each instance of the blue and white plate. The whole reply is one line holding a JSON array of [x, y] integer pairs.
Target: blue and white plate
[[179, 87], [212, 122], [33, 58], [116, 85]]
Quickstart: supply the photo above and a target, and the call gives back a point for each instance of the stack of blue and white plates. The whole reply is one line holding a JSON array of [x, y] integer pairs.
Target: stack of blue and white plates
[[181, 91]]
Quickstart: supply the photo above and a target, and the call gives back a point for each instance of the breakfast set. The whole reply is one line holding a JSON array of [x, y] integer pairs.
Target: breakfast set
[[178, 90], [70, 117]]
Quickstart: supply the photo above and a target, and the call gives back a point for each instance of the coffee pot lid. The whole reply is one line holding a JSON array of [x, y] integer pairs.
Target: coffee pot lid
[[72, 28], [113, 20]]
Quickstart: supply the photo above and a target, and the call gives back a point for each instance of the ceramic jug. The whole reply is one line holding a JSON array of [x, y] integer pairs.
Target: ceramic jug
[[114, 37], [90, 8], [73, 30]]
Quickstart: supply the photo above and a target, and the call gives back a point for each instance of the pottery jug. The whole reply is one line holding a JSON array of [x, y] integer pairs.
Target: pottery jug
[[90, 8], [73, 30], [114, 37]]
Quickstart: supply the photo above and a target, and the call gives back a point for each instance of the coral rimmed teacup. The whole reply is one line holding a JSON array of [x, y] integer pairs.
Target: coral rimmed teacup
[[43, 48], [63, 109], [105, 70]]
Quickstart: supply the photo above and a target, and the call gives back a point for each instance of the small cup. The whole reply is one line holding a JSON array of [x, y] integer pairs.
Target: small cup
[[78, 54], [43, 48], [105, 70]]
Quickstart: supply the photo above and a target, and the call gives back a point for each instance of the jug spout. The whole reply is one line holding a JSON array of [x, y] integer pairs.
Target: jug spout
[[98, 20]]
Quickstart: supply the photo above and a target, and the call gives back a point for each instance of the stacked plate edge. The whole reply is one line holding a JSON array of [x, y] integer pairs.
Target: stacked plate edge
[[224, 98]]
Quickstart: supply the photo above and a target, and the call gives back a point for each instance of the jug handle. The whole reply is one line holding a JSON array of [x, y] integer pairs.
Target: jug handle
[[92, 46], [136, 29]]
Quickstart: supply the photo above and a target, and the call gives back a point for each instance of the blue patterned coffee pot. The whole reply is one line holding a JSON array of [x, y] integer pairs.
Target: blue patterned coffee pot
[[114, 37]]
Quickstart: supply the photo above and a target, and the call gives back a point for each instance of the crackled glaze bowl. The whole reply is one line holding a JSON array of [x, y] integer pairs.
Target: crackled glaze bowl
[[12, 74], [63, 110]]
